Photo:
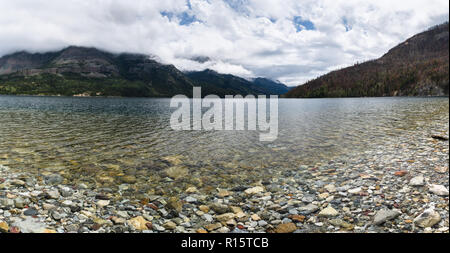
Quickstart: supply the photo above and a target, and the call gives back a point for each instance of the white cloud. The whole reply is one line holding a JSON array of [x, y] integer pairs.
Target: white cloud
[[242, 37]]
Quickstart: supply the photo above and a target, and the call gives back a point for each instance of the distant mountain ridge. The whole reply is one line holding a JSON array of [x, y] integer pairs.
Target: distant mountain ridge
[[226, 84], [417, 67], [90, 71]]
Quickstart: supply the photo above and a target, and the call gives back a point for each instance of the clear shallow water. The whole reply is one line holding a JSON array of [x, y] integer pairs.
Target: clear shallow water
[[92, 136]]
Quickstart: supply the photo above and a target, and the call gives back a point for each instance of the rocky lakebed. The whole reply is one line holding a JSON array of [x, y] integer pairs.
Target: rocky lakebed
[[401, 187]]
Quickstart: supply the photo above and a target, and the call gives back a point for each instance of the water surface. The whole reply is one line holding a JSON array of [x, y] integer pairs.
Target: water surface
[[95, 135]]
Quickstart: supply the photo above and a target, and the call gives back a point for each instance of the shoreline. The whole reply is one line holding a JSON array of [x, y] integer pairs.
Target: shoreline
[[279, 96]]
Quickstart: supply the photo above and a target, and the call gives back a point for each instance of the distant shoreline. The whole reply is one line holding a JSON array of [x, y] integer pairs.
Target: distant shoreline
[[280, 97]]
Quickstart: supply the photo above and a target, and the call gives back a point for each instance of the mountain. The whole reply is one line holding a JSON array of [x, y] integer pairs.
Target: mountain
[[274, 86], [90, 71], [225, 84], [417, 67]]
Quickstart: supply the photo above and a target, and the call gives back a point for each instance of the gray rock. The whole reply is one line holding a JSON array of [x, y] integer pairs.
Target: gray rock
[[57, 215], [65, 192], [308, 198], [72, 228], [253, 224], [308, 209], [384, 215], [31, 212], [163, 212], [220, 208], [53, 179], [159, 228], [286, 220], [262, 223]]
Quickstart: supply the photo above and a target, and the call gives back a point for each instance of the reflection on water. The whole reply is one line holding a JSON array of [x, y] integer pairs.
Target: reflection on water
[[97, 134]]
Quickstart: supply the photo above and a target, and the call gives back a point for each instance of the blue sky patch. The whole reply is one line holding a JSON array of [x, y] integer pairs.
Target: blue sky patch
[[303, 24], [188, 3], [167, 14], [348, 26], [184, 17], [240, 6]]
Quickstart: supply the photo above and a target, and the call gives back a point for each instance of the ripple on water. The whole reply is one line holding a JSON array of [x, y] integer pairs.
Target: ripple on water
[[99, 137]]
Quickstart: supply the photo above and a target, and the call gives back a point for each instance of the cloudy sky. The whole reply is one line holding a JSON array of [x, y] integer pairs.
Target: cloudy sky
[[288, 40]]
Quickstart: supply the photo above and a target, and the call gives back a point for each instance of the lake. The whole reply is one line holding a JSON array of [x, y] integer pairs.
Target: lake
[[89, 139]]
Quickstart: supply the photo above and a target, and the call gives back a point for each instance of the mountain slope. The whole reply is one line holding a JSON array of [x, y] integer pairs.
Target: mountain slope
[[273, 86], [225, 84], [89, 71], [416, 67]]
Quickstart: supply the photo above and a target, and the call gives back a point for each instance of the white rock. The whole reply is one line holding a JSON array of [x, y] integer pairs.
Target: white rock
[[438, 189], [405, 189], [223, 230], [82, 186], [443, 229], [330, 188], [355, 190], [208, 217], [428, 218], [190, 199], [68, 203], [54, 194], [123, 214], [417, 181], [254, 190], [65, 191], [328, 212], [35, 193], [17, 182], [47, 206], [29, 225], [102, 203]]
